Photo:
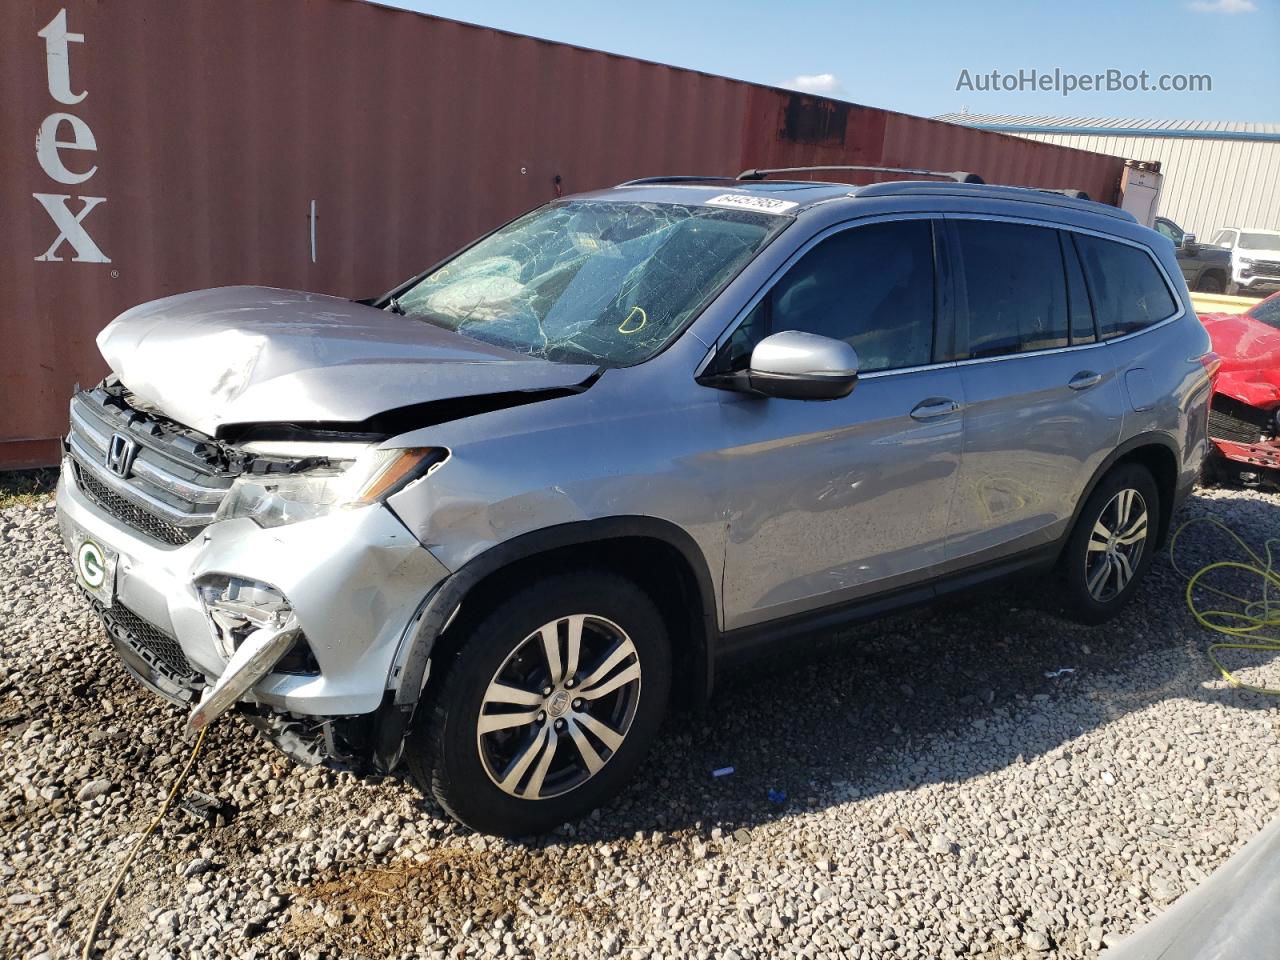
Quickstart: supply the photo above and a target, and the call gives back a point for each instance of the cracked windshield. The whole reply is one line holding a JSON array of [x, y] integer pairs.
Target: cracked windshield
[[595, 281]]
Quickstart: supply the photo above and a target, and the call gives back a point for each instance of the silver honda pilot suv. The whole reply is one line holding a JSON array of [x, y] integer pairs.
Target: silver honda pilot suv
[[492, 523]]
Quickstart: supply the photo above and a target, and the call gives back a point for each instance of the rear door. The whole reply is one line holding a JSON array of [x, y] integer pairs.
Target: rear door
[[1043, 405], [828, 501], [1131, 294]]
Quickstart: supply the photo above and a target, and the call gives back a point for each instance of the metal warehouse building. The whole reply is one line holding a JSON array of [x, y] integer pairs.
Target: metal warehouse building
[[1215, 174]]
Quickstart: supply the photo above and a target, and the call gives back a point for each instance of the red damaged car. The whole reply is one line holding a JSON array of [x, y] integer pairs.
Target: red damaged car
[[1244, 420]]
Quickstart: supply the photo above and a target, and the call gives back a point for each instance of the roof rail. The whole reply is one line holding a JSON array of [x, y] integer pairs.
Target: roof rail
[[993, 191], [643, 180], [1067, 192], [957, 175]]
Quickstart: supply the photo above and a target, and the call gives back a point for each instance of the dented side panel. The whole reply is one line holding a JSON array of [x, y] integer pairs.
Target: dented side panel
[[633, 445]]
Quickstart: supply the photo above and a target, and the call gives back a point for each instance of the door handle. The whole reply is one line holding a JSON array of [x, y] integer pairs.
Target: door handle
[[1084, 380], [933, 408]]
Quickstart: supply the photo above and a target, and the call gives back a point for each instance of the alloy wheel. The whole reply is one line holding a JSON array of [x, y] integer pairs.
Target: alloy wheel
[[559, 707], [1115, 546]]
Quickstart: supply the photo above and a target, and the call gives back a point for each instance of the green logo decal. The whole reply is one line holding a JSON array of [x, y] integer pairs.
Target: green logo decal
[[91, 564]]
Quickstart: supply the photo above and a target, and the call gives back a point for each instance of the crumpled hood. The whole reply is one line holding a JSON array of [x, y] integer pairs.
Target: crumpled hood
[[259, 355], [1250, 352]]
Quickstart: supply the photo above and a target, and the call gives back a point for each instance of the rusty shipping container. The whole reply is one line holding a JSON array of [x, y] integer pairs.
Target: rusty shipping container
[[150, 147]]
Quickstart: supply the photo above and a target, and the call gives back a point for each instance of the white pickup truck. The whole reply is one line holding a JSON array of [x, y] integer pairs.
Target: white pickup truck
[[1255, 259]]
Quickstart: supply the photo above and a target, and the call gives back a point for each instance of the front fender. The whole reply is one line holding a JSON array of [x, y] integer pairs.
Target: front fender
[[411, 669]]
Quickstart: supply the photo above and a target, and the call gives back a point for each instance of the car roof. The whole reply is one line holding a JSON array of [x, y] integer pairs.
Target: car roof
[[801, 195]]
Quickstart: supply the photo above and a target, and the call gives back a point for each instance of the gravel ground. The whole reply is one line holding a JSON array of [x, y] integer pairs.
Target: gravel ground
[[926, 791]]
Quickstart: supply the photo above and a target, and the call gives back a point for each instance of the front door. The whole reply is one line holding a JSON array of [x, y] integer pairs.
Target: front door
[[828, 501], [1189, 264]]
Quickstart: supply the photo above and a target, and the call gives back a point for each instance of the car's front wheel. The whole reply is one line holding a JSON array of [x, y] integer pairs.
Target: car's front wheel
[[548, 707], [1112, 545], [1211, 283]]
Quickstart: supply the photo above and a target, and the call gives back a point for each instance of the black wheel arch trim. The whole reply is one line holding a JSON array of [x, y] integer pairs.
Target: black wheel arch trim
[[395, 716], [440, 605], [1149, 439]]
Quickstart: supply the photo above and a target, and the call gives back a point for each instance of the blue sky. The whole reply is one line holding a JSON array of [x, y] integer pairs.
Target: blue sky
[[909, 56]]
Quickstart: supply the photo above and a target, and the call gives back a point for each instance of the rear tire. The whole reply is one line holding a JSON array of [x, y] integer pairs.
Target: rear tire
[[500, 753], [1111, 546]]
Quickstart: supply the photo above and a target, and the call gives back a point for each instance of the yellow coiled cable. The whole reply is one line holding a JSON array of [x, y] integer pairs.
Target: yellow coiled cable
[[1255, 620]]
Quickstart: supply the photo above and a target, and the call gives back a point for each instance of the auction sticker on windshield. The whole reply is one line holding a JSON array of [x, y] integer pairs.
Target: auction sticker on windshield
[[738, 201]]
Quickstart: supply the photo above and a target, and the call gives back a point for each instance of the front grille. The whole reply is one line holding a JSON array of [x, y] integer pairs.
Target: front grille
[[130, 513], [159, 650], [172, 484], [1232, 420], [1270, 268]]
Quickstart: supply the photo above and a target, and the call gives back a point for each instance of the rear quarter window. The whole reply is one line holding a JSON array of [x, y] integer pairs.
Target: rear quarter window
[[1127, 288]]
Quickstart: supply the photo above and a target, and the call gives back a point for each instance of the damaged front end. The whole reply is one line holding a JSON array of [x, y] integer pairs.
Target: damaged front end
[[256, 628], [1244, 425], [1244, 418], [225, 492], [265, 577]]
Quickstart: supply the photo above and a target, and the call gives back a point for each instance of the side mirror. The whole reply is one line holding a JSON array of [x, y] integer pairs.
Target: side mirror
[[803, 366], [1189, 240]]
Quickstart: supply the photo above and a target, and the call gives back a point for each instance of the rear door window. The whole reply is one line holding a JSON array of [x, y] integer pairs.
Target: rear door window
[[1127, 288], [1015, 286]]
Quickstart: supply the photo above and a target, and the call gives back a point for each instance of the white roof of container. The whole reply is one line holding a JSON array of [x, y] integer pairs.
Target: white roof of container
[[1116, 126]]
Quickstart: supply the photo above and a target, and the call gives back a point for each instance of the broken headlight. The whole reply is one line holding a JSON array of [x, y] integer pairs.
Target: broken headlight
[[237, 607], [272, 500]]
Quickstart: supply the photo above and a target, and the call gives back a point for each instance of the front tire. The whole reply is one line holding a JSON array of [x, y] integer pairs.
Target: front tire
[[548, 707], [1211, 283], [1112, 545]]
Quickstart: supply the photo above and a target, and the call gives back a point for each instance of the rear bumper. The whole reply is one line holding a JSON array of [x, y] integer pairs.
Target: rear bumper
[[353, 579]]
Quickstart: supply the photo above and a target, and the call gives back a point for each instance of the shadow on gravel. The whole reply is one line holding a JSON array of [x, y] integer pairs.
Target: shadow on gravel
[[829, 720]]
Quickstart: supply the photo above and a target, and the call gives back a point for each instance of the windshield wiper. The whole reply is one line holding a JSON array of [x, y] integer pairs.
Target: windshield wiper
[[393, 304]]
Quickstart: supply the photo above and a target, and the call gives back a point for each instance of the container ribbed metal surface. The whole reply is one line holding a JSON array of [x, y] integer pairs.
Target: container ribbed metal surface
[[340, 147]]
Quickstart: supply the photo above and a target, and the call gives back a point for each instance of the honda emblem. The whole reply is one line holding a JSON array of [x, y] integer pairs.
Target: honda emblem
[[120, 452]]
